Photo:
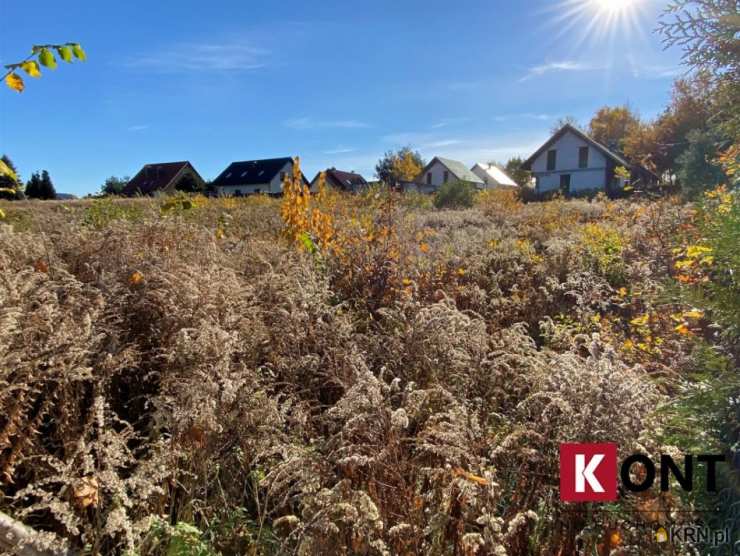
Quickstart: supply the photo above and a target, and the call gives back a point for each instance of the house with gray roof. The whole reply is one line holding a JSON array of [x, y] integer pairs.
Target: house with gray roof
[[573, 163], [254, 176], [443, 170]]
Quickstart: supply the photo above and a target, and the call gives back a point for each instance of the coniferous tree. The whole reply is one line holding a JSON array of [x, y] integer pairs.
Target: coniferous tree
[[33, 186], [47, 187]]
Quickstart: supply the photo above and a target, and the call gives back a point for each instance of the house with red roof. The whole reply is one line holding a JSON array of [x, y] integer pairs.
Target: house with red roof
[[338, 179]]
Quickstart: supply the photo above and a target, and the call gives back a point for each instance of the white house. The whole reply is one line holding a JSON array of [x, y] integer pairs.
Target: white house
[[571, 162], [443, 170], [493, 177], [254, 176]]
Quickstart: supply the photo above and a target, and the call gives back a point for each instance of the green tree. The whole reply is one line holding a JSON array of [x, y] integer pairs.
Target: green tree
[[40, 186], [515, 171], [401, 165], [188, 184], [697, 168], [47, 187], [114, 185], [33, 186]]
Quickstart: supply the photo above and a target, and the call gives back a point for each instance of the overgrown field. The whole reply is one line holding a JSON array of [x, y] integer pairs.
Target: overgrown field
[[374, 376]]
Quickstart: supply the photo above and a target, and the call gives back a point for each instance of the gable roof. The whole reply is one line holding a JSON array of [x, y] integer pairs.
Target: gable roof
[[156, 177], [457, 169], [252, 172], [496, 174], [343, 180], [567, 128]]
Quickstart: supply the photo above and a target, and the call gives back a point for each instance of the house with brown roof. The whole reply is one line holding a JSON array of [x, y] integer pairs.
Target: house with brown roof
[[164, 177], [573, 163], [338, 179]]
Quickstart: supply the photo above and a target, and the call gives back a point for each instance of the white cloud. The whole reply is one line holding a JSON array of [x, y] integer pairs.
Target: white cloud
[[657, 71], [340, 150], [525, 115], [310, 123], [446, 122], [226, 56], [135, 128], [420, 140], [440, 143], [565, 65]]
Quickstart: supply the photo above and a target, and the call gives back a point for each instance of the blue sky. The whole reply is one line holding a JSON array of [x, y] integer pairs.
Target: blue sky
[[336, 82]]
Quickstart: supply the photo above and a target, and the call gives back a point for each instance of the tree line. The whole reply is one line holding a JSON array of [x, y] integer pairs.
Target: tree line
[[39, 186]]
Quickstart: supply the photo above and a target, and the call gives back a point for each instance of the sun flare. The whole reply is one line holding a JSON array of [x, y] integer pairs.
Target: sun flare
[[613, 7], [599, 23]]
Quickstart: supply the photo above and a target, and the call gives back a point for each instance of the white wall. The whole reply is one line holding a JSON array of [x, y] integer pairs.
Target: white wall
[[273, 187], [276, 185], [566, 162], [438, 171]]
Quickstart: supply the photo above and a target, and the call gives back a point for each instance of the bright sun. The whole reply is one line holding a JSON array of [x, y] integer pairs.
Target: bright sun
[[613, 7], [599, 22]]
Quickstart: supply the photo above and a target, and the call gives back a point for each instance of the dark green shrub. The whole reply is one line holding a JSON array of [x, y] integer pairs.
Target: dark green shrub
[[456, 194]]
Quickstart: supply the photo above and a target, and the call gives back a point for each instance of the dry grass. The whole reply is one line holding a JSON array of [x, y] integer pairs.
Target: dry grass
[[401, 391]]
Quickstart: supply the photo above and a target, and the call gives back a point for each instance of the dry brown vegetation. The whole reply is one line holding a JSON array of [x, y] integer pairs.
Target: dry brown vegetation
[[178, 377]]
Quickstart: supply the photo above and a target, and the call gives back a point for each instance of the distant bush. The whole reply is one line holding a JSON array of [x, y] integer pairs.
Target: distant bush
[[102, 212], [456, 194], [417, 200]]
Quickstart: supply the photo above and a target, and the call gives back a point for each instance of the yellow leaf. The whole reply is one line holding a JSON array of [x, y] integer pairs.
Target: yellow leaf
[[15, 82], [469, 476], [2, 214], [86, 492], [642, 320], [6, 171], [31, 68], [694, 251], [136, 278], [682, 329], [684, 263], [622, 292], [424, 248], [693, 314]]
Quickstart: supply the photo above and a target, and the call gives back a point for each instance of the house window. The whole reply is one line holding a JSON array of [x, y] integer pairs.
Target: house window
[[583, 157], [565, 183], [282, 176], [429, 178], [551, 158], [446, 176]]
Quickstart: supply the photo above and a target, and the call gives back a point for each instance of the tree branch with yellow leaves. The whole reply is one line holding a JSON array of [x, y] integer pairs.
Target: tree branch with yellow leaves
[[41, 55]]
